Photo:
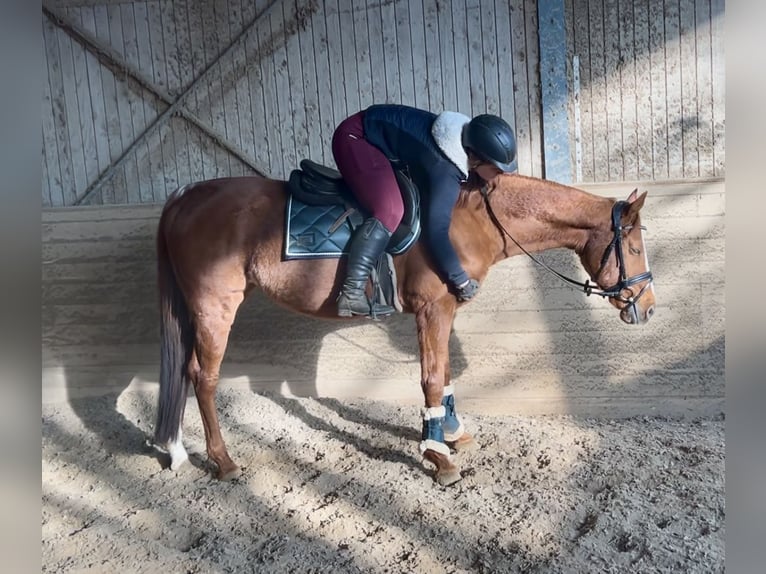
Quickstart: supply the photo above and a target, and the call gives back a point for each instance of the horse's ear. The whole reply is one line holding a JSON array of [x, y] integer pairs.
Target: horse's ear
[[635, 203]]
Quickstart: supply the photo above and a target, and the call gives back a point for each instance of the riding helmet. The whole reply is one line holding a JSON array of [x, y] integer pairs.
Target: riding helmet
[[491, 139]]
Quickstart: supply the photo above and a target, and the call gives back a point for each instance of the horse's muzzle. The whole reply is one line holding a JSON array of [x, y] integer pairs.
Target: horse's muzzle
[[634, 315]]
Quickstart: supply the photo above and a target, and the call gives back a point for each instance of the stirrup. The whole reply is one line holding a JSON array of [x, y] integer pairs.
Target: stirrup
[[373, 310], [381, 310]]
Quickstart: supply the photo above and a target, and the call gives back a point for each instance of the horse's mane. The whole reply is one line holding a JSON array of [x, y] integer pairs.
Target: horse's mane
[[529, 196]]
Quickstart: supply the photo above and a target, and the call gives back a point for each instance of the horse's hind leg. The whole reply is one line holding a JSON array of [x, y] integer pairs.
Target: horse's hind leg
[[212, 332]]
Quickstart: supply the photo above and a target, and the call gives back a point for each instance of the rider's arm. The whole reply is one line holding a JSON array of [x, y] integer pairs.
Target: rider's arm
[[439, 201]]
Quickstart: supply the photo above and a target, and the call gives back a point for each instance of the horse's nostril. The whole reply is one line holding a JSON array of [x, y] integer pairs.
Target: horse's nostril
[[650, 312]]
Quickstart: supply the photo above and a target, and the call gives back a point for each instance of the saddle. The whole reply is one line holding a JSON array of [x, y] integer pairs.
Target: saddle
[[322, 214]]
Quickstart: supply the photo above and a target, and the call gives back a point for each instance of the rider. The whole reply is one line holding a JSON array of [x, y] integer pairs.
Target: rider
[[439, 152]]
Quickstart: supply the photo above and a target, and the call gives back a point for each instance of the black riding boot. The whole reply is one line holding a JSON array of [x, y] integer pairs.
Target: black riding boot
[[367, 245]]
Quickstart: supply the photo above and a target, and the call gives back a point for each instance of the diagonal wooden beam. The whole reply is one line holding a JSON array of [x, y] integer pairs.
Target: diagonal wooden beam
[[111, 59]]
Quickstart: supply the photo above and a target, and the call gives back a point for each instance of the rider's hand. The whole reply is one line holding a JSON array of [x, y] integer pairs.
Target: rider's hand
[[467, 290]]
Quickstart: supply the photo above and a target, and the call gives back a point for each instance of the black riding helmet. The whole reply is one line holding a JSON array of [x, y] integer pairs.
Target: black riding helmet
[[491, 139]]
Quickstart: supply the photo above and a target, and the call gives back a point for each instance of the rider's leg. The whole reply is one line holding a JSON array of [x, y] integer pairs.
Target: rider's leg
[[367, 245], [369, 175]]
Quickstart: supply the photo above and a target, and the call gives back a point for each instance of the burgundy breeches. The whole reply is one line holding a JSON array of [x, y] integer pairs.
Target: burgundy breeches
[[367, 172]]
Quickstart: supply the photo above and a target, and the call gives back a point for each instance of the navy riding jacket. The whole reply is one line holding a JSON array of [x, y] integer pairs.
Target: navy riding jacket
[[403, 134]]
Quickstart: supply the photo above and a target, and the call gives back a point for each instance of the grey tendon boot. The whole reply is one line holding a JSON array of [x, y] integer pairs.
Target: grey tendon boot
[[367, 245]]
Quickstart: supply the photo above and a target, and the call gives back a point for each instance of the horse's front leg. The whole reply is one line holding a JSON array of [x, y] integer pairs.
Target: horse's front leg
[[434, 322]]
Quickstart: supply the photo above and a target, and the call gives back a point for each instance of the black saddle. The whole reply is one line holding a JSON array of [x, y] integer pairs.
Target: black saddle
[[318, 185]]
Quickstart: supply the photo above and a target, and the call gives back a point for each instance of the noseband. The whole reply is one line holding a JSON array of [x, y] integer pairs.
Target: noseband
[[624, 283]]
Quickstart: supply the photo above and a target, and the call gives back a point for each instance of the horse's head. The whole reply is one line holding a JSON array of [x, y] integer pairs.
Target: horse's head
[[615, 257]]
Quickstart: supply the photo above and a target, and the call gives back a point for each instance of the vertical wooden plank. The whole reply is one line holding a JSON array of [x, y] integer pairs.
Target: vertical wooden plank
[[447, 54], [573, 97], [155, 30], [505, 63], [581, 28], [689, 111], [390, 54], [122, 93], [111, 111], [172, 28], [377, 63], [178, 53], [227, 80], [419, 63], [659, 99], [475, 57], [199, 161], [673, 86], [240, 13], [176, 142], [704, 87], [643, 89], [253, 129], [98, 110], [489, 47], [628, 88], [615, 148], [296, 97], [322, 124], [85, 108], [70, 122], [362, 44], [459, 40], [208, 97], [286, 153], [217, 38], [533, 78], [347, 37], [58, 165], [432, 56], [598, 91], [326, 95], [404, 48], [147, 153], [270, 121], [316, 120], [520, 85], [48, 139], [210, 92], [45, 184], [335, 61], [160, 29], [718, 66]]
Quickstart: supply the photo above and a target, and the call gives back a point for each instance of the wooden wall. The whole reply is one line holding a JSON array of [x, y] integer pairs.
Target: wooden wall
[[652, 89], [527, 344], [263, 84]]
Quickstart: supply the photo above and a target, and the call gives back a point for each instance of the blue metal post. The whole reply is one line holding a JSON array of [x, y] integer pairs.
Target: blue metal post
[[553, 79]]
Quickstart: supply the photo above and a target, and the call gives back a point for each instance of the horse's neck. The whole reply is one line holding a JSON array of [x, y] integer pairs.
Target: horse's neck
[[544, 215]]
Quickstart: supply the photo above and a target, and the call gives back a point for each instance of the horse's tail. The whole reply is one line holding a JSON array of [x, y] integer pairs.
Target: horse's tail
[[176, 343]]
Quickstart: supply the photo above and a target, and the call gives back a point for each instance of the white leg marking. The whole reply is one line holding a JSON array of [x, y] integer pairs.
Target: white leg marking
[[177, 452]]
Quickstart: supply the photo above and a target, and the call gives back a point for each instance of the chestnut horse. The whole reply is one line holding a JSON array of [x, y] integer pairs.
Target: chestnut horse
[[220, 239]]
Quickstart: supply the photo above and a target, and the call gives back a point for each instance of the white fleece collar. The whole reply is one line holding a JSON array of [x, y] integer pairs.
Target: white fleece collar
[[447, 131]]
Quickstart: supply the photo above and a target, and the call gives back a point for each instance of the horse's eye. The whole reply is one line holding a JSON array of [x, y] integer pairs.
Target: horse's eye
[[635, 251]]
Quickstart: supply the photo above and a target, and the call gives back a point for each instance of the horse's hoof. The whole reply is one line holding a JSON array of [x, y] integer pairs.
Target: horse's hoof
[[465, 443], [177, 461], [448, 477], [230, 474]]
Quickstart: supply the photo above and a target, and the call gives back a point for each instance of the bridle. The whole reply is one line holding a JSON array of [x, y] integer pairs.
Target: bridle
[[623, 285]]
